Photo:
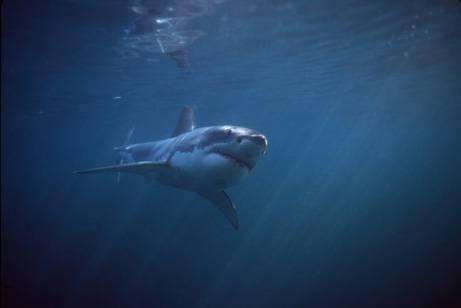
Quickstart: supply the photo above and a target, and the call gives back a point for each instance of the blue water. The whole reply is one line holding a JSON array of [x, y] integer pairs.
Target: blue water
[[356, 203]]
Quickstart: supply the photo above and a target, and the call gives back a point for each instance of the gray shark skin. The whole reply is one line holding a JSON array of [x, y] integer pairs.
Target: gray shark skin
[[204, 160]]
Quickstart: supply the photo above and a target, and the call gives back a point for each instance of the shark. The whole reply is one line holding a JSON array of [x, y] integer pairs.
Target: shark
[[205, 160]]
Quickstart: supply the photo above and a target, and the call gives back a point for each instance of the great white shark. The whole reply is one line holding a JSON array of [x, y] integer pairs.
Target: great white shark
[[204, 160]]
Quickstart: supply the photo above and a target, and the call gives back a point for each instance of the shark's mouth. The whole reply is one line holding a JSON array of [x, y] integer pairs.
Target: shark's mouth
[[234, 159]]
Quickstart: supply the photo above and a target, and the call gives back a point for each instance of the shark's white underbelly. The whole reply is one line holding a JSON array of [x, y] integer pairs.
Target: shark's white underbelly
[[198, 170]]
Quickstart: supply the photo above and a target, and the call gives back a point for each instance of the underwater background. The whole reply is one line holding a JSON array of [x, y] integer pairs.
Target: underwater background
[[357, 202]]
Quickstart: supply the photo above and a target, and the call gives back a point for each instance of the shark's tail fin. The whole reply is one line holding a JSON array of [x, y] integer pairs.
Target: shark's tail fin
[[121, 159]]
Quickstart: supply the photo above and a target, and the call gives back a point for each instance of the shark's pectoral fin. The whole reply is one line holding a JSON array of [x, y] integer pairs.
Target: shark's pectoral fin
[[222, 202], [142, 167]]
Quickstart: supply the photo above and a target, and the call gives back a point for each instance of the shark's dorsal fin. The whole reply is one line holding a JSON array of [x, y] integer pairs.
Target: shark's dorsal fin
[[185, 122]]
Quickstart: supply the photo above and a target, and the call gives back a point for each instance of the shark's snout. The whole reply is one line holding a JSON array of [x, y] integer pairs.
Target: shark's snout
[[257, 142], [260, 140], [236, 144], [249, 148]]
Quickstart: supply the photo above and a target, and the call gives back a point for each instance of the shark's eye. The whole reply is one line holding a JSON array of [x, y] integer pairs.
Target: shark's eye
[[228, 132]]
